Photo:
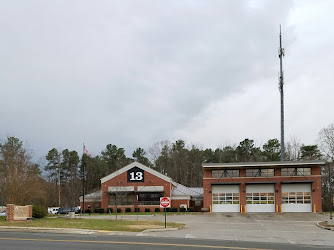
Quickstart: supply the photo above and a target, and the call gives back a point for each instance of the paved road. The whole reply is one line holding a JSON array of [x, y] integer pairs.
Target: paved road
[[293, 228], [28, 240]]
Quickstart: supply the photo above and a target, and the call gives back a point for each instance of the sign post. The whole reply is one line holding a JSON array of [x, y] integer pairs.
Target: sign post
[[165, 203]]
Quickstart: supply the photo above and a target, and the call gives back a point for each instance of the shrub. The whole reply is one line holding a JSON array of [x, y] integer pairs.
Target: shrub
[[173, 209], [137, 209], [99, 210], [191, 209], [183, 209], [157, 209], [119, 210], [109, 210], [147, 210], [167, 209], [128, 210], [39, 211]]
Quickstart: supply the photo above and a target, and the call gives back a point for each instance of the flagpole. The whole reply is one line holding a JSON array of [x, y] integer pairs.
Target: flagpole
[[83, 179]]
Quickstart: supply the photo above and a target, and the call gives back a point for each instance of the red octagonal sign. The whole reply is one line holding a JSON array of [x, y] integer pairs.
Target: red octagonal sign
[[164, 202]]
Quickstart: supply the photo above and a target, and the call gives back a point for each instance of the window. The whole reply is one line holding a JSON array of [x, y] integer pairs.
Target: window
[[149, 198], [256, 172], [296, 198], [225, 198], [295, 171], [122, 199], [198, 203], [225, 173], [260, 198]]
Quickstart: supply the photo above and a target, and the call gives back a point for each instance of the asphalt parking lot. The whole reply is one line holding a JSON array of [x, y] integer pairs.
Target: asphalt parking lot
[[294, 228]]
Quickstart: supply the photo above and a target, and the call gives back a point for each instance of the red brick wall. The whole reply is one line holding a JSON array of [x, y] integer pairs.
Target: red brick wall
[[178, 203], [316, 195], [316, 186], [92, 205]]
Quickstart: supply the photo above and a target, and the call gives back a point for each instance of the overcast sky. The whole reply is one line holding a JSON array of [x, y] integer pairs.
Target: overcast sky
[[131, 73]]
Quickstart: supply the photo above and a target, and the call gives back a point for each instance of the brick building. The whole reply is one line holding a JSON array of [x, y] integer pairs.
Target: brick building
[[138, 186], [263, 186]]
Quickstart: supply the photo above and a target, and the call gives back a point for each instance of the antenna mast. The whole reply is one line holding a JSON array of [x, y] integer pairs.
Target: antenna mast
[[281, 83]]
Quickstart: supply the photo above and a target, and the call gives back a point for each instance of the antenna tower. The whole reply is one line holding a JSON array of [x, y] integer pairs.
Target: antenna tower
[[281, 83]]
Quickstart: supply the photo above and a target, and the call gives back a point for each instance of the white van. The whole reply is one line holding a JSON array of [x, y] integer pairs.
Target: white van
[[53, 210]]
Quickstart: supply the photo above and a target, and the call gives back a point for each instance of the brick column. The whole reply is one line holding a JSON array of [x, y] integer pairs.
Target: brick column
[[243, 196], [278, 196], [30, 211], [10, 212]]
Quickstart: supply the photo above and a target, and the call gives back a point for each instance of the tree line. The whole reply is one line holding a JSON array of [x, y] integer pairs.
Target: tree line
[[59, 181]]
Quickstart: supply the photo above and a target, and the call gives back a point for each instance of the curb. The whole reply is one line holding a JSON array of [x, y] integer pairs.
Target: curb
[[326, 228], [81, 231], [160, 230], [45, 229], [62, 230]]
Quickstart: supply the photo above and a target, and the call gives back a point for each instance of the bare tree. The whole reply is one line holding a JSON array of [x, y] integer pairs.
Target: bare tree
[[292, 149], [154, 152], [20, 177], [326, 139]]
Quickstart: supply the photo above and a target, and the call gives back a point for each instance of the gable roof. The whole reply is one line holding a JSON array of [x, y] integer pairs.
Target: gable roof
[[141, 166]]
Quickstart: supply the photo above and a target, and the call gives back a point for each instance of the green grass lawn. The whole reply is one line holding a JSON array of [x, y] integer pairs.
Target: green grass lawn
[[94, 224]]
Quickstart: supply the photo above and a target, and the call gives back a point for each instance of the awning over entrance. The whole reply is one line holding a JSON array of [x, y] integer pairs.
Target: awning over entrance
[[145, 189], [303, 181]]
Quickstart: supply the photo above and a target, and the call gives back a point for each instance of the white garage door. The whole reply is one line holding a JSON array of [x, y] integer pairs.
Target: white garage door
[[226, 198], [260, 198], [296, 198]]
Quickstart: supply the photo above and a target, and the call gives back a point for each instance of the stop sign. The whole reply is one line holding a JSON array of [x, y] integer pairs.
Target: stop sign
[[164, 202]]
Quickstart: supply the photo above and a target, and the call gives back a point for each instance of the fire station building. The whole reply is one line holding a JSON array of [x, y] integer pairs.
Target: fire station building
[[138, 186], [289, 186]]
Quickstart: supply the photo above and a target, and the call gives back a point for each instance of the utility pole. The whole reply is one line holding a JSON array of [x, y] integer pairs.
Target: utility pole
[[59, 185], [281, 83], [83, 180], [330, 193]]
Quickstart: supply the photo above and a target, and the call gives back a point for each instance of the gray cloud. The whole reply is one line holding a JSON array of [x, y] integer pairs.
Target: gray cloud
[[129, 72]]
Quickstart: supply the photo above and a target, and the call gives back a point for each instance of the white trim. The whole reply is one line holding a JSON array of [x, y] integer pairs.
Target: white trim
[[141, 166], [91, 199], [150, 188], [263, 164], [183, 197], [121, 189]]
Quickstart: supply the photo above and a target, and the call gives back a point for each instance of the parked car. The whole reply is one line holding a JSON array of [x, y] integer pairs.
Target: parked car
[[63, 210], [3, 213], [53, 210], [66, 210]]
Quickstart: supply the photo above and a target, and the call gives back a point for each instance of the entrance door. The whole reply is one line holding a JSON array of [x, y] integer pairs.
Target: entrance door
[[226, 198]]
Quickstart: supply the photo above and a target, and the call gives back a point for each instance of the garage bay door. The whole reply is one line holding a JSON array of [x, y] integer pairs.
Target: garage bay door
[[296, 198], [226, 198], [260, 198]]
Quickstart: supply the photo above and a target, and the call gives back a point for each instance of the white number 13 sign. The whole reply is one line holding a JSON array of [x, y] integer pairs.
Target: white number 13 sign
[[136, 176]]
